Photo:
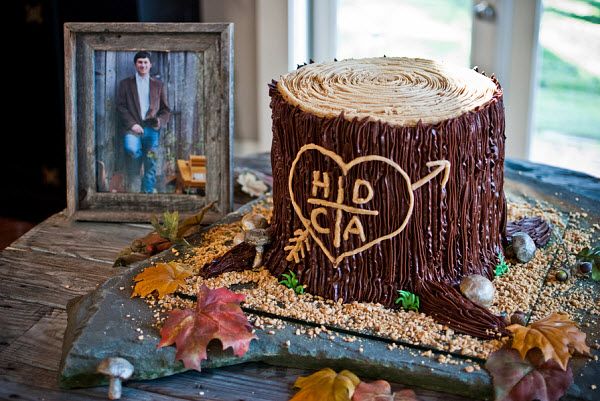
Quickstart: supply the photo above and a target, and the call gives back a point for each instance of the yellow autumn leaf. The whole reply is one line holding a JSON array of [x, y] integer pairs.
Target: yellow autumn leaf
[[556, 336], [163, 278], [326, 385]]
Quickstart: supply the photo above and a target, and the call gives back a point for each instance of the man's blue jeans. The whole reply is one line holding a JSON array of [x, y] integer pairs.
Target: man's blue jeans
[[143, 149]]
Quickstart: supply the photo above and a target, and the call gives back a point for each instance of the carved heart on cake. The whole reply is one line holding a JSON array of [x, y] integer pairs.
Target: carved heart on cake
[[322, 185]]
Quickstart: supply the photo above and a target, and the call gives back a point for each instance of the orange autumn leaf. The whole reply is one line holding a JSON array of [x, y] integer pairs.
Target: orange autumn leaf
[[217, 315], [556, 336], [326, 385], [163, 278], [380, 390]]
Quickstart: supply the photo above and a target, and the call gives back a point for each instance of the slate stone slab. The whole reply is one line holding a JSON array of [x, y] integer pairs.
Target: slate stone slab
[[104, 323]]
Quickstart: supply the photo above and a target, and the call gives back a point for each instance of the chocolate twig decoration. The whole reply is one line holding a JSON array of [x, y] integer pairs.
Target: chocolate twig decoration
[[238, 258]]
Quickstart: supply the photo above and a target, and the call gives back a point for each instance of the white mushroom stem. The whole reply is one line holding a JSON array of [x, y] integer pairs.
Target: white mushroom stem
[[117, 369], [114, 388], [258, 257]]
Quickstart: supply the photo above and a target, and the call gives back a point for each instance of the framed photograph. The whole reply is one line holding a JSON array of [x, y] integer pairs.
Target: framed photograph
[[149, 119]]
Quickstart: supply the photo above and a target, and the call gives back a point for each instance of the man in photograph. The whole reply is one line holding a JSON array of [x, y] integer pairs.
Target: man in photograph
[[143, 110]]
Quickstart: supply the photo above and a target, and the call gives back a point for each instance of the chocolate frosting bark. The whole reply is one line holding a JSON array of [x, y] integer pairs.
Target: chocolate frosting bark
[[365, 206], [537, 228]]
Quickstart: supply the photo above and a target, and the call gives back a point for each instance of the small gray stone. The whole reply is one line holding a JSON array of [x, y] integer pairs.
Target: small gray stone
[[478, 289], [523, 247]]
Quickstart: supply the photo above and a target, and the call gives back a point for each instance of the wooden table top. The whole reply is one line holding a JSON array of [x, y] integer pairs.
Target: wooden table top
[[60, 259]]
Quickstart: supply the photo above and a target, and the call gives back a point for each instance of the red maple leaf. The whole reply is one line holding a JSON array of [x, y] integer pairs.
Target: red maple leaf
[[517, 379], [217, 316]]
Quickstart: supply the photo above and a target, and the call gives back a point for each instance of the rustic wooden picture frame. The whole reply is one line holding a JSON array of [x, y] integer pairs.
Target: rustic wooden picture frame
[[215, 43]]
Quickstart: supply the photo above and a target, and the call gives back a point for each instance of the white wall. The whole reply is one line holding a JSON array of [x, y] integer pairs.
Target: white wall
[[241, 13], [260, 54], [272, 59]]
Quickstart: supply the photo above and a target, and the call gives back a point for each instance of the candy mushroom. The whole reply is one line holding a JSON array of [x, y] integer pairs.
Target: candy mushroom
[[259, 237], [252, 221], [116, 369]]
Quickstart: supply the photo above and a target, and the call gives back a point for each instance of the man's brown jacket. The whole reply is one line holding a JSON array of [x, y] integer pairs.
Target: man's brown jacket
[[128, 104]]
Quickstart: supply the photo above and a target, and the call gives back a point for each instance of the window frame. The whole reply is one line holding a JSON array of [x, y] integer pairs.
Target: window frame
[[507, 47]]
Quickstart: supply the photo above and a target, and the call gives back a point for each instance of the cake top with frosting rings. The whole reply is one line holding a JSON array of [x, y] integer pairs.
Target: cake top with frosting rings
[[399, 91]]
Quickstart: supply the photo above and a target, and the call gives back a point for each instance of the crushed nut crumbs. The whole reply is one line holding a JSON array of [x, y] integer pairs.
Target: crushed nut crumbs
[[517, 290]]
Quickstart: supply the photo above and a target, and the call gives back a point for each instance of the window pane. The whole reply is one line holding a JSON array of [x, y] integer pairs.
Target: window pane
[[434, 29], [567, 110], [298, 19]]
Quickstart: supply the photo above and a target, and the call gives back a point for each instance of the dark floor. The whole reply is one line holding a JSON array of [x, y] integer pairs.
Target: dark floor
[[11, 229]]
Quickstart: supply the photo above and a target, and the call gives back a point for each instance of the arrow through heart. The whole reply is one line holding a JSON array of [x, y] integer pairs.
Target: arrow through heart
[[322, 190]]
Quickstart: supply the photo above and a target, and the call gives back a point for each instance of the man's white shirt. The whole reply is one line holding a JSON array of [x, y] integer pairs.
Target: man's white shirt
[[143, 89]]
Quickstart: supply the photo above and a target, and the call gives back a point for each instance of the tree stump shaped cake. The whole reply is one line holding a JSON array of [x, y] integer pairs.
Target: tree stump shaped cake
[[388, 175]]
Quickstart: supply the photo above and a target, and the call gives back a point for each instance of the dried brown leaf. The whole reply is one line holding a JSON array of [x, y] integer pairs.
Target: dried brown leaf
[[556, 336], [164, 278]]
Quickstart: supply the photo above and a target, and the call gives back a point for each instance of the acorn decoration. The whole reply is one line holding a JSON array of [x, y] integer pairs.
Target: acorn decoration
[[585, 267], [519, 318], [562, 275]]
